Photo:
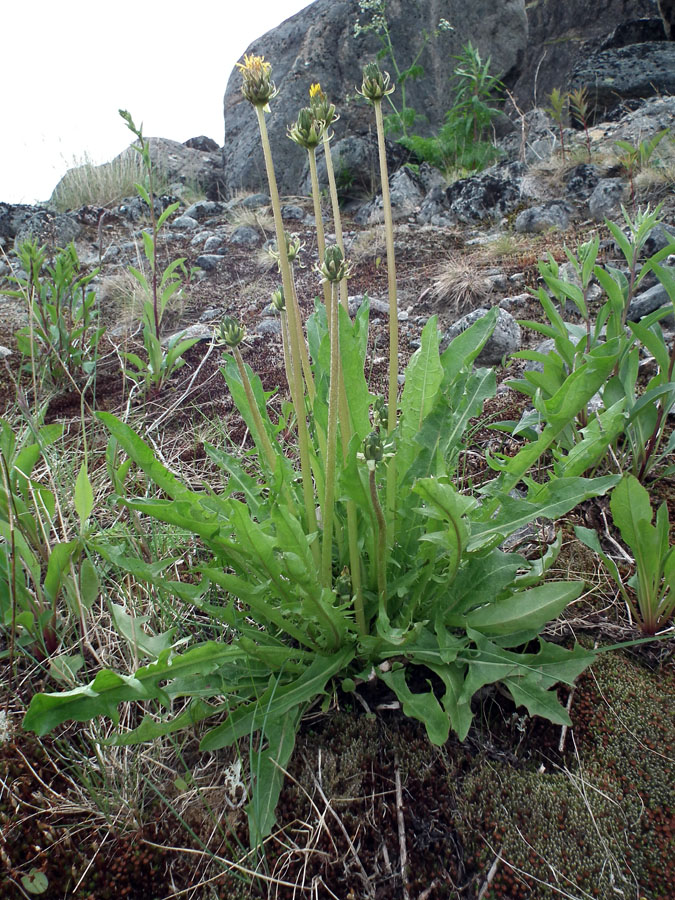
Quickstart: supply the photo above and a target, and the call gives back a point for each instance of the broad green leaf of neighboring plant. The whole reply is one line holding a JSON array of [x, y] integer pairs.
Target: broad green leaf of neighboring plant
[[84, 495]]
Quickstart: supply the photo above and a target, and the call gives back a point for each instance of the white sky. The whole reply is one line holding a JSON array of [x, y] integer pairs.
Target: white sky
[[69, 65]]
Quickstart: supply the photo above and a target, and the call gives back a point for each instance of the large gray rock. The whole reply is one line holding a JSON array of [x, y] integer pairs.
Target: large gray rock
[[627, 73], [176, 162], [484, 197], [356, 165], [56, 230], [406, 194], [504, 340], [561, 34], [649, 301], [538, 219], [318, 44]]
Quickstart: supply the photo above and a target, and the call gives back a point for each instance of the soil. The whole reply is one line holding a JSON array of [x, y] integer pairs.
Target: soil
[[370, 809]]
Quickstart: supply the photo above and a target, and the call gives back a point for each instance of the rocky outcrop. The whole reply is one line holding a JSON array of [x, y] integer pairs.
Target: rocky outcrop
[[611, 77], [318, 44], [562, 34], [197, 163]]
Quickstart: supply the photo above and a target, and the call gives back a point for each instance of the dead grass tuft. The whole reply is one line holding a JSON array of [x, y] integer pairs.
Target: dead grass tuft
[[459, 286]]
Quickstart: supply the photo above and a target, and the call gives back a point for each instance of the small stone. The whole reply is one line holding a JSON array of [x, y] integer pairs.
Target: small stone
[[245, 236], [187, 223], [209, 261], [213, 244], [268, 326], [213, 313], [292, 213], [255, 201]]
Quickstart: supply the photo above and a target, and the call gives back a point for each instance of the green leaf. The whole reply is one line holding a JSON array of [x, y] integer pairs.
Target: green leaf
[[548, 501], [145, 457], [169, 211], [278, 701], [108, 689], [84, 495], [89, 583], [130, 627], [36, 882], [267, 773], [57, 566], [421, 706], [523, 611]]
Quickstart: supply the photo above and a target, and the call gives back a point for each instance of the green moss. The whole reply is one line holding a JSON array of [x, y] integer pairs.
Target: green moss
[[600, 819]]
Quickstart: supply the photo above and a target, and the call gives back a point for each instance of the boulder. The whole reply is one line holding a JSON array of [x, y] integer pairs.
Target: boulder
[[649, 301], [202, 143], [581, 181], [490, 195], [606, 198], [563, 34], [406, 194], [177, 163], [611, 77], [356, 164], [56, 230], [635, 31], [319, 44], [539, 219], [504, 340], [12, 217]]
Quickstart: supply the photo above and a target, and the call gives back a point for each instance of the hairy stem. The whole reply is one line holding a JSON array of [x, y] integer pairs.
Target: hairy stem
[[296, 386]]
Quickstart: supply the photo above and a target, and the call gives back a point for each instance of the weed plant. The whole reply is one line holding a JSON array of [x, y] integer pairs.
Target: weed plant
[[159, 287], [631, 420], [351, 556], [61, 340]]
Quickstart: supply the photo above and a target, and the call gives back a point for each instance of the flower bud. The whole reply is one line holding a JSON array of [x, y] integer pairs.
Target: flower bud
[[343, 585], [373, 448], [293, 248], [375, 84], [231, 332], [278, 302], [323, 110], [380, 412], [257, 85], [307, 130], [334, 266]]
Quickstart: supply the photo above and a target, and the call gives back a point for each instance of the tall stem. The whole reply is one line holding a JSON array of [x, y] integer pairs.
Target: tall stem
[[381, 542], [331, 446], [345, 418], [392, 398], [296, 386], [266, 444]]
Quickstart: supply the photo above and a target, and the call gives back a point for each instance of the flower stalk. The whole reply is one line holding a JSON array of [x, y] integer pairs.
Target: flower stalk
[[295, 334], [375, 87]]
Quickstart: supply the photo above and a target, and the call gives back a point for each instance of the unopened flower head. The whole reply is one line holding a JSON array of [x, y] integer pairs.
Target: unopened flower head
[[375, 449], [380, 412], [257, 85], [307, 130], [335, 266], [278, 301], [375, 85], [231, 332], [323, 109], [343, 585], [293, 247]]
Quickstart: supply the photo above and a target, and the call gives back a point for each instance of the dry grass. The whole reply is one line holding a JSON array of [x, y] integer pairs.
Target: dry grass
[[367, 246], [87, 184], [459, 286]]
